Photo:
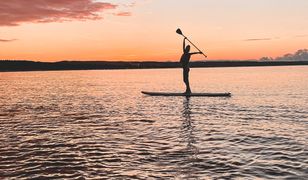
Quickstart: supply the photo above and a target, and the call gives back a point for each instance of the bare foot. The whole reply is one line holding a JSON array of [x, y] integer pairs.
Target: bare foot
[[187, 92]]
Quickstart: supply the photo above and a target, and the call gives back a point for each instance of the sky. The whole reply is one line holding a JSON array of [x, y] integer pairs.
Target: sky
[[144, 30]]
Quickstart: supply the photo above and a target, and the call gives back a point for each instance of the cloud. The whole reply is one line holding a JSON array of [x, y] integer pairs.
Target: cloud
[[7, 40], [130, 5], [301, 36], [259, 39], [15, 12], [300, 55], [123, 14]]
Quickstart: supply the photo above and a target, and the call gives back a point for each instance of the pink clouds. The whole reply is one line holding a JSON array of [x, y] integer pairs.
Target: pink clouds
[[123, 14], [15, 12], [7, 40]]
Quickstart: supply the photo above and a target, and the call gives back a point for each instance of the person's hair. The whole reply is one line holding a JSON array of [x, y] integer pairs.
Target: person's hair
[[187, 49]]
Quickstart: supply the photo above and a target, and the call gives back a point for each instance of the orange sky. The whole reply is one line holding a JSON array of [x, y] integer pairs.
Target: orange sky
[[145, 30]]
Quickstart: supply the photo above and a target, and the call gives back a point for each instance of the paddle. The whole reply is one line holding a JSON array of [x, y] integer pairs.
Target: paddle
[[181, 33]]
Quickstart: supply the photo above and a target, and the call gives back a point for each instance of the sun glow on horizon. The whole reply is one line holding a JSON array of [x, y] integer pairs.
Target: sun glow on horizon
[[145, 30]]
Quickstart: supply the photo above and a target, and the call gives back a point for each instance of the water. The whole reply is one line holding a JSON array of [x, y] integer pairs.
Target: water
[[97, 124]]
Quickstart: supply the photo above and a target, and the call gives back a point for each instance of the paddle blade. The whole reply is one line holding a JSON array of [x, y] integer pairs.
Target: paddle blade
[[179, 31]]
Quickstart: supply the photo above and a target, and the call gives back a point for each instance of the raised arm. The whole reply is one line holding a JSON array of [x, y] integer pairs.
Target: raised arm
[[184, 44]]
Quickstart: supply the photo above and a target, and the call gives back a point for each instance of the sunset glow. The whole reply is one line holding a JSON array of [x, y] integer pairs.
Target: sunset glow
[[144, 30]]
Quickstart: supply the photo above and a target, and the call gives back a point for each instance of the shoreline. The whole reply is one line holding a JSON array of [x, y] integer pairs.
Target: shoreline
[[24, 65]]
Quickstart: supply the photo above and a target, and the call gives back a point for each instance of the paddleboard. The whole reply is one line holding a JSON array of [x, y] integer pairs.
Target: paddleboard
[[187, 95]]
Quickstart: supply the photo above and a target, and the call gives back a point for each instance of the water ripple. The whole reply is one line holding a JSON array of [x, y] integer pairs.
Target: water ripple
[[96, 125]]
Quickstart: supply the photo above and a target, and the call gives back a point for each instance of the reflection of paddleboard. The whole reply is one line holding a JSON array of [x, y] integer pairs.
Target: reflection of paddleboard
[[188, 95]]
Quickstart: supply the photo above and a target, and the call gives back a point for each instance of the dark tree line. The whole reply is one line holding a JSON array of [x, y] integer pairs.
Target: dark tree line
[[22, 65]]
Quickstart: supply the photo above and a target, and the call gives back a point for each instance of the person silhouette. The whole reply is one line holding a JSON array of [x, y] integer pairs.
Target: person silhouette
[[185, 64]]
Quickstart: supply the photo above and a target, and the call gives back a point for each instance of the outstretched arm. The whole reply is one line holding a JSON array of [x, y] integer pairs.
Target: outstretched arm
[[195, 53]]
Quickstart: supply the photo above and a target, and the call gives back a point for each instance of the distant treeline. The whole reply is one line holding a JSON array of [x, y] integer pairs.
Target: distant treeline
[[23, 65]]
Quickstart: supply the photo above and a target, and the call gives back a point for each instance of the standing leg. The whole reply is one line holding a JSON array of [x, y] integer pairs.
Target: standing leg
[[188, 90], [186, 79]]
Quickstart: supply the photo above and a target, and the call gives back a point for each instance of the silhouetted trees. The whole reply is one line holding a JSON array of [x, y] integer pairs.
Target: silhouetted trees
[[8, 65], [266, 59]]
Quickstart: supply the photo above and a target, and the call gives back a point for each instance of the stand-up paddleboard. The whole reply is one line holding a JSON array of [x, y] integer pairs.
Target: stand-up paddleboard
[[187, 95]]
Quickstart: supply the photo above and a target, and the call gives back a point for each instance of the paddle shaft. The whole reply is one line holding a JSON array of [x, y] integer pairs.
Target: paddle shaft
[[194, 46]]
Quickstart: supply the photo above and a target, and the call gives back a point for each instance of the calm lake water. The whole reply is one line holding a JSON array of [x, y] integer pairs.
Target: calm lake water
[[97, 124]]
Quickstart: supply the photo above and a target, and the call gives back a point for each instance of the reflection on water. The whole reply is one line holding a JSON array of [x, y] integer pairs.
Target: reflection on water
[[189, 139], [97, 124], [187, 124]]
